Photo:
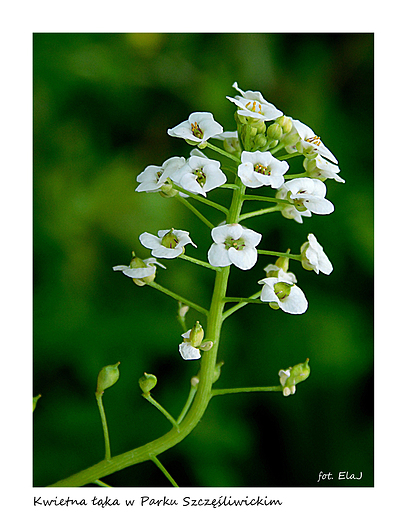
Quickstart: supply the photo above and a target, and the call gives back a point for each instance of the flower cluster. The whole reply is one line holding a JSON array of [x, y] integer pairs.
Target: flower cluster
[[260, 148]]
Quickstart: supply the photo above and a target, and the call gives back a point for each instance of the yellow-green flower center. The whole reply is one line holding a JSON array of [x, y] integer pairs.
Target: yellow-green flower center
[[196, 131], [264, 170]]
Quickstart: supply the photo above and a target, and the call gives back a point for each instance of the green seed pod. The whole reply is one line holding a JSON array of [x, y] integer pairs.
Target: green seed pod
[[107, 377], [196, 335], [147, 382]]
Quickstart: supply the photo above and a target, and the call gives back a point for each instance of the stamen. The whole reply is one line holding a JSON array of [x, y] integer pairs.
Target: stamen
[[196, 131], [314, 140]]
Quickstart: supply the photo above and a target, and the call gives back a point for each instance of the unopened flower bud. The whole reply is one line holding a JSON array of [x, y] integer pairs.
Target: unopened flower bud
[[107, 377], [196, 335], [182, 309], [147, 382], [260, 140], [216, 372], [195, 381], [283, 262], [274, 131], [285, 123]]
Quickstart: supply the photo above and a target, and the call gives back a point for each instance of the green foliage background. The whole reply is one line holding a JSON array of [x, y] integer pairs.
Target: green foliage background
[[102, 106]]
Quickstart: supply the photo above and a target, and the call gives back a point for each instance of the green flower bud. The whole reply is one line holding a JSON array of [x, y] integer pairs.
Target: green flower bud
[[274, 131], [216, 372], [196, 335], [283, 262], [147, 382], [260, 140], [285, 123], [258, 124], [240, 120], [107, 377], [35, 400]]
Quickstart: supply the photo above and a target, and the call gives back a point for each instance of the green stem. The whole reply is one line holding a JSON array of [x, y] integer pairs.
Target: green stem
[[287, 156], [241, 300], [178, 298], [203, 393], [222, 152], [100, 483], [159, 465], [251, 214], [202, 199], [188, 403], [267, 199], [296, 175], [199, 262], [224, 391], [276, 253], [104, 425], [241, 304], [161, 409], [230, 186], [195, 211]]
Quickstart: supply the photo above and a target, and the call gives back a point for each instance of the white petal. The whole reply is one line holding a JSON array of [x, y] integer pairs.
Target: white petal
[[139, 272], [250, 237], [120, 267], [218, 256], [189, 352], [318, 206], [149, 241], [221, 233], [166, 252], [296, 303], [243, 259]]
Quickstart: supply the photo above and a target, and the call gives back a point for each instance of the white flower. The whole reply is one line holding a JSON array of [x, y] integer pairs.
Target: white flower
[[252, 104], [314, 258], [308, 196], [230, 141], [234, 244], [261, 169], [200, 127], [199, 175], [169, 243], [282, 294], [191, 348], [308, 143], [317, 167], [153, 177], [141, 271]]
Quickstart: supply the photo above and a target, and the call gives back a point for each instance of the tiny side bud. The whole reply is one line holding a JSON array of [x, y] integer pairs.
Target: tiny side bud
[[147, 382]]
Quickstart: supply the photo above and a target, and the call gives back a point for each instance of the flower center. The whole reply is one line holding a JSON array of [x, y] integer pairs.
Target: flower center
[[200, 177], [254, 107], [264, 170], [237, 244], [196, 131], [282, 290], [170, 240], [159, 173]]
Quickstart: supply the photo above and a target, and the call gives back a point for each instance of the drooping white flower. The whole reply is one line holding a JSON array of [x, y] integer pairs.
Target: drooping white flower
[[169, 243], [304, 140], [199, 175], [233, 244], [319, 168], [280, 293], [199, 127], [252, 104], [153, 177], [141, 271], [308, 196], [261, 169], [313, 257]]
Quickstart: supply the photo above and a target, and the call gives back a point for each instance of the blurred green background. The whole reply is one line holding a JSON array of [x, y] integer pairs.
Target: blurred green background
[[102, 107]]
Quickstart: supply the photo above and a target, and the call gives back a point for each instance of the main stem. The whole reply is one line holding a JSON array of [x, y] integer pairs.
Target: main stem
[[204, 392]]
